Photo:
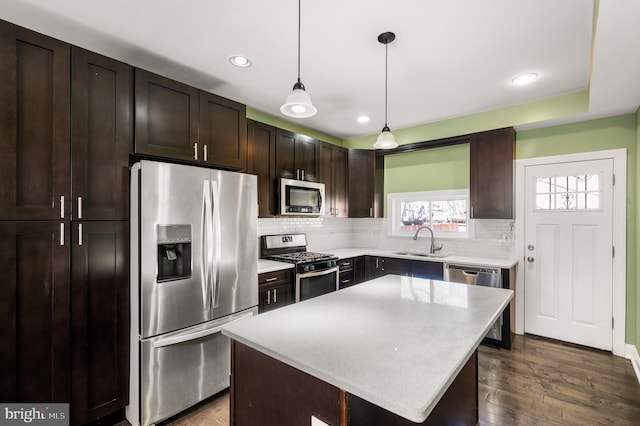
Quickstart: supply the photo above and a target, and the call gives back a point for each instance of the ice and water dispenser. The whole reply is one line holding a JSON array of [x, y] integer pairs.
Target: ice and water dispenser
[[174, 252]]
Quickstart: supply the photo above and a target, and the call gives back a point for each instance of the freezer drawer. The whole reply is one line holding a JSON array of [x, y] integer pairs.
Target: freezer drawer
[[180, 369]]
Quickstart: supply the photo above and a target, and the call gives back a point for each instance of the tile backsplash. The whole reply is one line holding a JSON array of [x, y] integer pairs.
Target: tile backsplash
[[493, 238]]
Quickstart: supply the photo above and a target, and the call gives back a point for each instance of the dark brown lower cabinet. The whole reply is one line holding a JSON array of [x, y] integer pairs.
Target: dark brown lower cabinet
[[100, 319], [65, 315], [34, 312], [269, 392]]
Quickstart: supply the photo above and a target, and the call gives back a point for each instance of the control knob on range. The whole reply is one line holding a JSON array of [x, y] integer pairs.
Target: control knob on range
[[333, 263]]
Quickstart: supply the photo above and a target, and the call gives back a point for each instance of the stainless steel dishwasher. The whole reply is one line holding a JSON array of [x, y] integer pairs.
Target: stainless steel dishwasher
[[475, 275]]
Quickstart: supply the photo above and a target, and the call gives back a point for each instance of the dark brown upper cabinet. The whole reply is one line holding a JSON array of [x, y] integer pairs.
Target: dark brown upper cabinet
[[35, 181], [491, 174], [296, 156], [177, 121], [362, 183], [261, 161], [101, 113], [223, 131], [333, 173]]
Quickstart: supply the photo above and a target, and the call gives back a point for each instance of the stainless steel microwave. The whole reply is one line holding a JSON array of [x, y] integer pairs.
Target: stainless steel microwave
[[300, 197]]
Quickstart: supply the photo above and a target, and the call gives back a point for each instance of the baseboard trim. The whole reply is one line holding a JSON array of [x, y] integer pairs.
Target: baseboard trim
[[632, 354]]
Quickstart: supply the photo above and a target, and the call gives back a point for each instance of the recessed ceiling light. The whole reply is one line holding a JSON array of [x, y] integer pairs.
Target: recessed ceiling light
[[524, 78], [240, 61], [363, 119]]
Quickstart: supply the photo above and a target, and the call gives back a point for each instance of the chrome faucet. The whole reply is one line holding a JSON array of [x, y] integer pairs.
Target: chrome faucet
[[432, 247]]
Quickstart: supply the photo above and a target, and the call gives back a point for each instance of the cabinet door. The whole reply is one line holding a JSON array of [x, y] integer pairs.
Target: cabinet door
[[340, 182], [166, 123], [101, 136], [491, 174], [362, 168], [34, 312], [275, 297], [285, 155], [372, 267], [34, 125], [333, 173], [325, 175], [100, 319], [223, 131], [261, 161], [395, 266], [306, 157]]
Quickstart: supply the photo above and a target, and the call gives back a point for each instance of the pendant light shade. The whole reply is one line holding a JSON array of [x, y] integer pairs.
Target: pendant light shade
[[298, 103], [386, 140]]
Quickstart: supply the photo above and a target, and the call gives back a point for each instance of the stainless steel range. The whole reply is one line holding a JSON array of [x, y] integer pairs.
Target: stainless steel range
[[316, 273]]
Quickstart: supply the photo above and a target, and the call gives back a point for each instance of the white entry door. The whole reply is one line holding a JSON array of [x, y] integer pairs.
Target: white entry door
[[568, 252]]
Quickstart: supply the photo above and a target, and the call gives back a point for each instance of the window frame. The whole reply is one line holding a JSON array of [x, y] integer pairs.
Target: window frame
[[394, 213]]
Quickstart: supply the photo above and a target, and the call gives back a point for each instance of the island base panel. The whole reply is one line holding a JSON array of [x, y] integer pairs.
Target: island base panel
[[265, 391]]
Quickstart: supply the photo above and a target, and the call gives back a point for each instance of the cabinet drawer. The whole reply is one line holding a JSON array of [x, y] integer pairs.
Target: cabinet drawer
[[276, 277], [345, 264], [346, 279]]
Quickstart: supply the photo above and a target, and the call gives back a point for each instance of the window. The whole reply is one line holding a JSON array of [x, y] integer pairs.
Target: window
[[577, 192], [445, 212]]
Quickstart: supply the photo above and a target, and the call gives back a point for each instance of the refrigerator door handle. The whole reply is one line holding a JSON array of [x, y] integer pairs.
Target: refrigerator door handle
[[216, 241], [205, 252], [186, 337]]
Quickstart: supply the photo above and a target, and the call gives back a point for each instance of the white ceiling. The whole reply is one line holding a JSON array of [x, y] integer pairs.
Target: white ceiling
[[450, 57]]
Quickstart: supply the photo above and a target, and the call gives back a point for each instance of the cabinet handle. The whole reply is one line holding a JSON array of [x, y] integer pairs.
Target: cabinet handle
[[204, 148], [302, 172], [268, 280], [345, 281], [298, 174], [62, 234], [79, 207], [195, 151], [275, 295], [344, 264], [62, 207], [472, 215], [268, 297], [80, 234], [370, 211], [377, 262]]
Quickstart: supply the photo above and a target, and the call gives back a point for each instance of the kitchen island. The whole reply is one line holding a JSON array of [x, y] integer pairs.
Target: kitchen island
[[394, 350]]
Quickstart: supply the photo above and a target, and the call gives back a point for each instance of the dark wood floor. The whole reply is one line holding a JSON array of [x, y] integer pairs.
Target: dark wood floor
[[545, 382], [538, 382]]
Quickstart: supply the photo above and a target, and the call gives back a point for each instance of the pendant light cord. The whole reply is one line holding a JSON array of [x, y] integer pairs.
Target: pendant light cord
[[386, 73], [299, 25]]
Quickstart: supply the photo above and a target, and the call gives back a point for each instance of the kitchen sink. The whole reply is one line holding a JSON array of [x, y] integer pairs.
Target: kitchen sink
[[432, 255]]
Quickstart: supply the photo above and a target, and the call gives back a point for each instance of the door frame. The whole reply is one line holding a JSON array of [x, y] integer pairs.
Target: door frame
[[619, 157]]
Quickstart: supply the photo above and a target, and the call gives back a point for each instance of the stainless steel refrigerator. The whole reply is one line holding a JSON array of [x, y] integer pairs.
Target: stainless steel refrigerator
[[194, 254]]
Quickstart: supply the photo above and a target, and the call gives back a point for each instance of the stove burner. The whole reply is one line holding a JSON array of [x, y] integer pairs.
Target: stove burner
[[301, 257]]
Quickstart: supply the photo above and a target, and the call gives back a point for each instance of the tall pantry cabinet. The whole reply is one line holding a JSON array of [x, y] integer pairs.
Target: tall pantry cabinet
[[65, 132]]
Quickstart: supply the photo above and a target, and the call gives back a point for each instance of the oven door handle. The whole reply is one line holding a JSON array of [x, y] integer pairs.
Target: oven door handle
[[318, 273]]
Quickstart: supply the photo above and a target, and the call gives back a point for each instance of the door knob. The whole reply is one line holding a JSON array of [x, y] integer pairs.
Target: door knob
[[530, 259]]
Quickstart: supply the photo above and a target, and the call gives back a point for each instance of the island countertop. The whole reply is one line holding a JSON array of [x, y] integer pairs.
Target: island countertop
[[397, 342]]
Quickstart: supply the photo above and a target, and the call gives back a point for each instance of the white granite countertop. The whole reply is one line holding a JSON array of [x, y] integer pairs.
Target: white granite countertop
[[397, 342], [265, 265], [344, 253]]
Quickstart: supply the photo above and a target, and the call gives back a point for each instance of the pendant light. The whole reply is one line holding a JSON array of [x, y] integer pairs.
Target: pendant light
[[298, 103], [386, 140]]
